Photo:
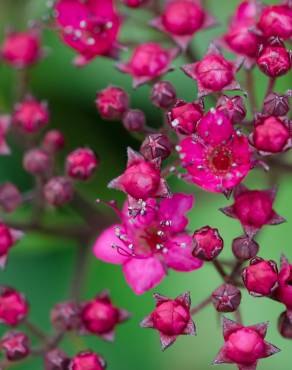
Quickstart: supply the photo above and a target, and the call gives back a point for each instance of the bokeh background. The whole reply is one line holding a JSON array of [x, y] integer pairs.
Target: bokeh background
[[41, 266]]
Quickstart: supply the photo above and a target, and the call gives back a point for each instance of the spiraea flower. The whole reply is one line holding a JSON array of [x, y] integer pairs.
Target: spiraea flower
[[13, 306], [276, 104], [276, 20], [208, 243], [233, 107], [150, 243], [156, 146], [271, 135], [53, 141], [10, 197], [182, 19], [163, 94], [66, 316], [213, 73], [171, 318], [100, 317], [226, 298], [8, 238], [5, 122], [284, 291], [112, 102], [217, 157], [37, 161], [244, 345], [141, 179], [16, 345], [89, 27], [21, 49], [81, 164], [87, 360], [56, 359], [183, 117], [58, 191], [254, 209], [148, 62], [30, 115]]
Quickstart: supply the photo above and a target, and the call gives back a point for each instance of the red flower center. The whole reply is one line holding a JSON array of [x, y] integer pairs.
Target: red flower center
[[220, 160]]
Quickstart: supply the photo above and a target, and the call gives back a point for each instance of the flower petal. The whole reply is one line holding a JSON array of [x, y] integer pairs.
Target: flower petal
[[103, 249], [143, 274]]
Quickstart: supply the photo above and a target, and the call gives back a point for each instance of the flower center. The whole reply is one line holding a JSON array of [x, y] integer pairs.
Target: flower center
[[220, 160]]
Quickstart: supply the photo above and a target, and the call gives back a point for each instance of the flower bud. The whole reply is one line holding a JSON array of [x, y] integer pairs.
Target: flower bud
[[285, 324], [13, 306], [53, 141], [37, 161], [226, 298], [56, 360], [66, 316], [274, 60], [112, 103], [163, 94], [260, 277], [244, 248], [87, 360], [58, 191], [81, 164], [134, 120], [156, 146], [276, 20], [208, 243], [10, 197], [276, 105], [233, 107], [134, 3], [16, 345], [6, 239], [183, 117], [30, 115]]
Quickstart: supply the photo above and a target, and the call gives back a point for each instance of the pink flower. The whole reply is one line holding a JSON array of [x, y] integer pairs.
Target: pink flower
[[16, 345], [182, 19], [90, 27], [5, 122], [87, 360], [276, 20], [208, 243], [171, 318], [112, 102], [244, 345], [233, 107], [148, 62], [141, 179], [81, 164], [217, 158], [150, 243], [271, 135], [13, 306], [22, 49], [99, 316], [284, 291], [213, 73], [254, 209]]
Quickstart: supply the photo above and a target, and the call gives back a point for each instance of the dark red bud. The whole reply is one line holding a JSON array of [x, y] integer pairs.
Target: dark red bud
[[244, 248], [163, 94], [156, 146], [134, 120], [226, 298]]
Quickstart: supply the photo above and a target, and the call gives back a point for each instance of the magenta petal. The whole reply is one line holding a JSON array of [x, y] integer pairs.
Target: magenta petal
[[166, 340], [143, 274], [270, 349], [70, 12], [173, 209], [103, 249], [179, 255]]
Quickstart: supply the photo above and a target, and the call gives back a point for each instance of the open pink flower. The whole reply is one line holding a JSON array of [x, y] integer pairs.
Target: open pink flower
[[244, 345], [254, 209], [213, 73], [182, 19], [90, 27], [217, 158], [148, 62], [150, 243]]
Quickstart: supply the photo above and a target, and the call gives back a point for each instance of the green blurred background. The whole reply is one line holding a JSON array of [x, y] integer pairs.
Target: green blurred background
[[41, 266]]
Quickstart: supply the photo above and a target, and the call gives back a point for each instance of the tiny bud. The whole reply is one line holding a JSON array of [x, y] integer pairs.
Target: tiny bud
[[260, 277], [10, 197], [81, 163], [56, 360], [16, 345], [226, 298], [156, 146], [112, 103], [58, 191], [208, 243], [134, 120], [163, 94], [66, 316], [276, 105], [53, 141], [233, 107], [183, 117], [87, 360], [37, 161], [244, 248], [13, 306], [285, 324]]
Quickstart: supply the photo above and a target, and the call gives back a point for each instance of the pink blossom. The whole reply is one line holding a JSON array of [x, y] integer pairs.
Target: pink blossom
[[150, 243], [148, 62], [217, 158], [182, 19], [90, 27]]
